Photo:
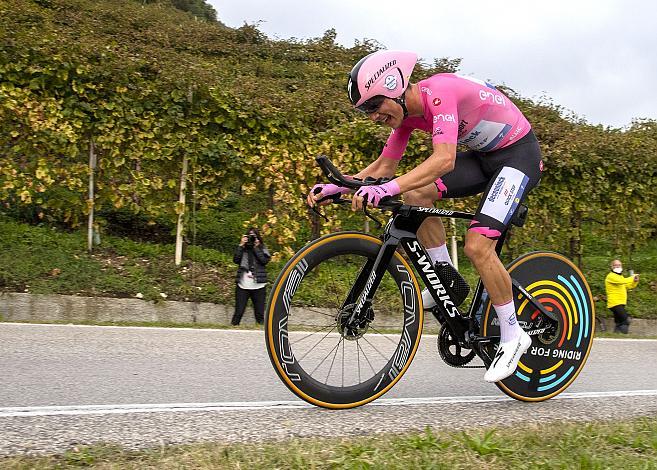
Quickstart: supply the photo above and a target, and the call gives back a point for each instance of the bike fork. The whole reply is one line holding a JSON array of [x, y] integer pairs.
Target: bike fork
[[368, 280]]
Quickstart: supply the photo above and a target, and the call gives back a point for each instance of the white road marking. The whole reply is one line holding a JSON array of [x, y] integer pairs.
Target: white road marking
[[79, 410], [624, 339], [167, 328]]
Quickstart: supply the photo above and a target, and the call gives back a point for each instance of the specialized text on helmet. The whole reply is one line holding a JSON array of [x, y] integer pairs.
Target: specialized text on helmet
[[378, 73]]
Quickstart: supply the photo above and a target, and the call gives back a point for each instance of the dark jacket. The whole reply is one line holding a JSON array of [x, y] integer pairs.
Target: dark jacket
[[259, 258]]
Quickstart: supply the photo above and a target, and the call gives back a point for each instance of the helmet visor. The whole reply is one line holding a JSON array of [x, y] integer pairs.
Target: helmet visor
[[372, 105]]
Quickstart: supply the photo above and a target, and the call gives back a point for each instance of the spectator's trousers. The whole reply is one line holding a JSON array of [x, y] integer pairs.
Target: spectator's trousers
[[242, 297]]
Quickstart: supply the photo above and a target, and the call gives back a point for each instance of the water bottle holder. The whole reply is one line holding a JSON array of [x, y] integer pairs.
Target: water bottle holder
[[453, 282]]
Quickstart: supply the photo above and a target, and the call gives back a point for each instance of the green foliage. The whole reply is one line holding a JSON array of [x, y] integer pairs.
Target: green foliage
[[550, 445], [46, 260], [198, 8], [485, 444], [222, 228], [43, 260], [149, 85]]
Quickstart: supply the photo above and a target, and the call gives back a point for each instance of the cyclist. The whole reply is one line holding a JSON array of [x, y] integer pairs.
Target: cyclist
[[503, 161]]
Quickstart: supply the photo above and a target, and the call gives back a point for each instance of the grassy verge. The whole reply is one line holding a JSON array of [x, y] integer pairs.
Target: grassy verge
[[44, 260], [628, 444]]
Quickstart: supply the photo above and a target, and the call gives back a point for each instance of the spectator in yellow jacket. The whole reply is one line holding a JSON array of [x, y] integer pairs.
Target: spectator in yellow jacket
[[616, 286]]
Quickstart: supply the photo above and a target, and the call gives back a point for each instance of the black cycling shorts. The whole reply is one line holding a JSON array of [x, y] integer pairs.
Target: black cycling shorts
[[505, 177]]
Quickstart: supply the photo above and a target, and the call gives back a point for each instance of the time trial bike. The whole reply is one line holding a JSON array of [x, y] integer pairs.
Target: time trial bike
[[345, 315]]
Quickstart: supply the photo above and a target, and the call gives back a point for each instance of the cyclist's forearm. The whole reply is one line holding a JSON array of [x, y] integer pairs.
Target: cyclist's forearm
[[426, 172], [381, 167]]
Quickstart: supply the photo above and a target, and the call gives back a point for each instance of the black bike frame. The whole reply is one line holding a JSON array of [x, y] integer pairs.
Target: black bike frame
[[402, 230]]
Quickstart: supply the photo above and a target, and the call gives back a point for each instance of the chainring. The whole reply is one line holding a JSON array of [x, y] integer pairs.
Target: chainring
[[451, 351]]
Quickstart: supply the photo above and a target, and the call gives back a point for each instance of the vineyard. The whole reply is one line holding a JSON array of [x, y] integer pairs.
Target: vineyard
[[159, 97]]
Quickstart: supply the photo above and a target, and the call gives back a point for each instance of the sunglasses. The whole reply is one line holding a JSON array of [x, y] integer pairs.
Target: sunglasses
[[372, 105]]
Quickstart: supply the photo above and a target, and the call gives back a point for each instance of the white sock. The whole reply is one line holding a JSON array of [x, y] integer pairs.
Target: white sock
[[439, 253], [509, 328]]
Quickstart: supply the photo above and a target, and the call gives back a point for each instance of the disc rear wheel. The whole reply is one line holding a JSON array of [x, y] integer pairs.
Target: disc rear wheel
[[559, 349]]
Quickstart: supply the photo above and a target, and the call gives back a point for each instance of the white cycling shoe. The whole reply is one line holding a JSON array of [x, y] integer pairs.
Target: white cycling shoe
[[507, 357]]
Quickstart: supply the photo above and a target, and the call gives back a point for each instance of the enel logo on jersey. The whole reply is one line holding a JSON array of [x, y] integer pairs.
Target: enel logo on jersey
[[444, 117], [492, 97]]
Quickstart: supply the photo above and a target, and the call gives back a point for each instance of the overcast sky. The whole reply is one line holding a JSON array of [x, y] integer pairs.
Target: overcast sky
[[595, 58]]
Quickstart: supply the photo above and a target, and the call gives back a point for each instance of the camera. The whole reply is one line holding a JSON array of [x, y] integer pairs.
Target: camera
[[250, 242]]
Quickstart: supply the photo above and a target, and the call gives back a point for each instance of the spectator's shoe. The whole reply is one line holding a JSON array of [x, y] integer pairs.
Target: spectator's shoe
[[506, 360], [623, 328]]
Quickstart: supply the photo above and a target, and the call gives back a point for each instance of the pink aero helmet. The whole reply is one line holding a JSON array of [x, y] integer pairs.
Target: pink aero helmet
[[380, 74]]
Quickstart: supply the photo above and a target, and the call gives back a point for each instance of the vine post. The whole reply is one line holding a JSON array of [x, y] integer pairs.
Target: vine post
[[181, 211], [90, 198]]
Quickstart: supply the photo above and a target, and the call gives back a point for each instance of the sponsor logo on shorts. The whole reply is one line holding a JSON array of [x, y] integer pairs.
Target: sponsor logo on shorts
[[505, 194], [499, 184], [509, 194], [437, 131]]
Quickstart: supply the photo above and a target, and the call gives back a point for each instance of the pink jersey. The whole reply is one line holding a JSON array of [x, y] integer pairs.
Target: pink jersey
[[462, 110]]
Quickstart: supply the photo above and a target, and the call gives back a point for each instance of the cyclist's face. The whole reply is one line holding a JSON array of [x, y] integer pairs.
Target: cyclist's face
[[389, 114]]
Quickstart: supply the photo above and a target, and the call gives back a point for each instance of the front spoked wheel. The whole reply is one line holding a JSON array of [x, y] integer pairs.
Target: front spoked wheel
[[559, 349], [322, 356]]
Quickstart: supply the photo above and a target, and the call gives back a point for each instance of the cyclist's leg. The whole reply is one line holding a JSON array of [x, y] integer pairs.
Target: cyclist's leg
[[432, 232], [515, 171], [562, 347], [466, 179]]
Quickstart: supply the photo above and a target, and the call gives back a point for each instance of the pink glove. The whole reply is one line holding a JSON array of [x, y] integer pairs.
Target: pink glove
[[328, 190], [374, 194]]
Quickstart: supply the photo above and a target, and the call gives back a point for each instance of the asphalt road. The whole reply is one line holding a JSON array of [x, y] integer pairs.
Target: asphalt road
[[68, 385]]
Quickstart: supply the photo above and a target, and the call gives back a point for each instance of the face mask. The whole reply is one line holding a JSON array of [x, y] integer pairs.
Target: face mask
[[617, 270]]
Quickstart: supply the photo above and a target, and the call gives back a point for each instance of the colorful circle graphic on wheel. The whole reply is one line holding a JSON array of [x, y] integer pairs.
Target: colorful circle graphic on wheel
[[559, 348]]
